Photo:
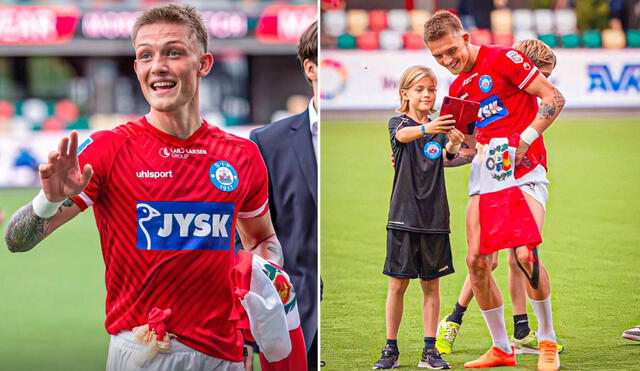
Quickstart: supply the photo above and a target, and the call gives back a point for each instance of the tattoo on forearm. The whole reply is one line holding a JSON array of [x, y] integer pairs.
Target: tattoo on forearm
[[26, 229], [65, 203], [547, 112], [459, 161], [270, 249]]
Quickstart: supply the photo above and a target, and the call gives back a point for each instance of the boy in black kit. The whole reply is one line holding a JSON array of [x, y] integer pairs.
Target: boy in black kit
[[418, 227]]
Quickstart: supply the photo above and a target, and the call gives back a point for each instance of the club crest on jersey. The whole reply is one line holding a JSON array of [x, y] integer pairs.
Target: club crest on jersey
[[498, 162], [485, 83], [491, 109], [282, 284], [432, 150], [84, 145], [223, 176], [169, 225], [514, 56]]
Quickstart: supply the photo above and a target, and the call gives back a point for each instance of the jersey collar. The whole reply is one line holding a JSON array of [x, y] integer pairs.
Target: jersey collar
[[174, 140]]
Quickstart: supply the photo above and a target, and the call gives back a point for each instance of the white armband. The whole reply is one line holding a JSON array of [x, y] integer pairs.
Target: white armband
[[43, 207], [529, 135]]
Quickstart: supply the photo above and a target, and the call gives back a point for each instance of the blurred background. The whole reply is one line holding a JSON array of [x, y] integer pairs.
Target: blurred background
[[591, 230], [69, 65]]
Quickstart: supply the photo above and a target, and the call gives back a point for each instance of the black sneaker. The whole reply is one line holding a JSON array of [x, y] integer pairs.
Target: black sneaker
[[388, 359], [432, 359]]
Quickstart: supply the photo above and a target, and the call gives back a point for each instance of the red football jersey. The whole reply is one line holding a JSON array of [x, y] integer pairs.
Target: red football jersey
[[497, 80], [166, 211]]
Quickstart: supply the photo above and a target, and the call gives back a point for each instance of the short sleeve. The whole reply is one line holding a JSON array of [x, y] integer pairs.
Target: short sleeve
[[95, 150], [256, 202], [517, 68], [395, 124]]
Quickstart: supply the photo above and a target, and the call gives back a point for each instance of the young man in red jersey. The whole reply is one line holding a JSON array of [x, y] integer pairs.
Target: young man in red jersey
[[507, 85], [168, 192]]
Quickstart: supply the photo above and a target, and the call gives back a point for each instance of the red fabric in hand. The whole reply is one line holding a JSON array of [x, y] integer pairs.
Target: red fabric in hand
[[297, 360], [156, 321], [506, 221]]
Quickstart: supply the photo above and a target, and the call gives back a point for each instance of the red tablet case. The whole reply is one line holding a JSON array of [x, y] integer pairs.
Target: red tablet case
[[465, 112]]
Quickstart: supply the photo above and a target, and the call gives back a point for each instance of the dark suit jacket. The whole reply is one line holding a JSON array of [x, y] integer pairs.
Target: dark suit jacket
[[293, 188]]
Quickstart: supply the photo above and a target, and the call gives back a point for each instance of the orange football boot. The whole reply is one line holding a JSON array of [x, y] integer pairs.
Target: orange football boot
[[493, 358], [548, 358]]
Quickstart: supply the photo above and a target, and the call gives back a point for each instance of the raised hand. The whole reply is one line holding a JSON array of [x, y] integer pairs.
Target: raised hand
[[61, 176], [440, 125]]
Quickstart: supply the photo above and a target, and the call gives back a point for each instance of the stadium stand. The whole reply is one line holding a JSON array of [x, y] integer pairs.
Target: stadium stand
[[399, 28]]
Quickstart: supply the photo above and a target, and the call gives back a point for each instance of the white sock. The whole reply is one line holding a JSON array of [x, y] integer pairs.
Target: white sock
[[498, 329], [543, 311]]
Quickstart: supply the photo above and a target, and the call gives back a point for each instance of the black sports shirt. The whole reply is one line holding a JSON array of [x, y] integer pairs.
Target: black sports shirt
[[419, 197]]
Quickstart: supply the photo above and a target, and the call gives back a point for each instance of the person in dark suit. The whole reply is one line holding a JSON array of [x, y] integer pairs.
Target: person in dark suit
[[290, 150]]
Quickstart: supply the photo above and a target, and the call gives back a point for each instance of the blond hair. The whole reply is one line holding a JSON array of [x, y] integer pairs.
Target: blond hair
[[539, 52], [441, 24], [409, 78], [180, 14]]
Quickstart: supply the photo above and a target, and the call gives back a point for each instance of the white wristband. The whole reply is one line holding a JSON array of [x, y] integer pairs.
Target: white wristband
[[43, 207], [529, 135]]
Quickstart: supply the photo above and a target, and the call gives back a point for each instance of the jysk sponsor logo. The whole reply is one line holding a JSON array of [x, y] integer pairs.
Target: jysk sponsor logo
[[154, 174], [223, 176], [491, 109], [498, 162], [181, 153], [601, 78], [432, 150], [485, 83], [168, 225]]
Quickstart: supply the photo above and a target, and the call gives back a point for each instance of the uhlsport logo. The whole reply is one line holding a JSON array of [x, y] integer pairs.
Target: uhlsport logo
[[485, 83], [498, 162], [223, 176], [154, 174], [169, 225], [491, 109], [282, 284], [432, 150]]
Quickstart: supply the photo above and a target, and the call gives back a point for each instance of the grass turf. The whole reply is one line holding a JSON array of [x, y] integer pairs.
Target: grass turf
[[591, 249]]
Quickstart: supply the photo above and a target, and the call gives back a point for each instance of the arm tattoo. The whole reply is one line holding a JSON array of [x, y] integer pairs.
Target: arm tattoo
[[547, 112], [26, 229], [460, 160], [270, 249]]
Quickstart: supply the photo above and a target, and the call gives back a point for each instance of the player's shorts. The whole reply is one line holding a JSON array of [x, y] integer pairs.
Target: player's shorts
[[417, 255], [123, 349], [534, 183]]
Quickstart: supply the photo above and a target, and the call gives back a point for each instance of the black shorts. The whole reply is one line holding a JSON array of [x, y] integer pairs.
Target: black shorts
[[418, 255]]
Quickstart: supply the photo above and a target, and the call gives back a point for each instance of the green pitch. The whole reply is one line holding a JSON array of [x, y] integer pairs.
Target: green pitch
[[52, 297], [591, 249]]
